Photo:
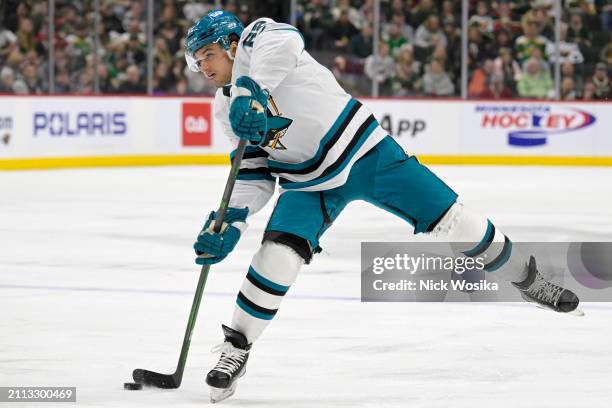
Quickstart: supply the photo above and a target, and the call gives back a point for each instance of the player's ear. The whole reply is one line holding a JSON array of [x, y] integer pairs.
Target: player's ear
[[233, 47]]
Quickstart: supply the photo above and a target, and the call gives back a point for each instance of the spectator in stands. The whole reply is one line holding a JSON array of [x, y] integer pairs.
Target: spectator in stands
[[568, 89], [606, 16], [526, 44], [8, 44], [479, 47], [193, 11], [62, 82], [367, 11], [481, 78], [539, 56], [429, 34], [482, 18], [405, 29], [381, 68], [23, 39], [606, 54], [8, 83], [448, 14], [422, 11], [180, 88], [33, 82], [135, 50], [132, 83], [496, 89], [539, 15], [104, 79], [407, 80], [362, 43], [395, 38], [439, 54], [171, 35], [396, 7], [342, 31], [568, 51], [85, 82], [163, 80], [25, 35], [589, 14], [601, 82], [453, 48], [353, 14], [317, 19], [534, 82], [79, 43], [168, 14], [244, 14], [568, 71], [577, 32], [135, 15], [341, 71], [162, 53], [503, 39], [436, 82], [109, 18], [505, 19], [589, 92]]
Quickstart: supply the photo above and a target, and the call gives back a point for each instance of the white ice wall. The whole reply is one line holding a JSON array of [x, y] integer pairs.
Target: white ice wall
[[442, 131]]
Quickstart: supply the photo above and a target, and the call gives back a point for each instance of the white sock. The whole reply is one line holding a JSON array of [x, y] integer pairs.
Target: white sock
[[272, 271], [474, 235]]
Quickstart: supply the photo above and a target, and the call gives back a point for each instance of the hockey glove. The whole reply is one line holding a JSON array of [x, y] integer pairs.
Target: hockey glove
[[248, 110], [213, 247]]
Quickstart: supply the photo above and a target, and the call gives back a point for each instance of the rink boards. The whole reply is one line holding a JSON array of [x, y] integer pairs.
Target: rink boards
[[73, 131]]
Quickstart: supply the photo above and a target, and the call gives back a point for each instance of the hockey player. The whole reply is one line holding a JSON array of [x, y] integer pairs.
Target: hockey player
[[325, 149]]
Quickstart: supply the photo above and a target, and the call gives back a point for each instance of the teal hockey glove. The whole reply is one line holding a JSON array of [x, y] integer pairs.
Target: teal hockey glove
[[248, 110], [212, 247]]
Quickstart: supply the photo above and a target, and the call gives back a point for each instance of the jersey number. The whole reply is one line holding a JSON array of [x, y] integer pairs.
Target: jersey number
[[257, 28]]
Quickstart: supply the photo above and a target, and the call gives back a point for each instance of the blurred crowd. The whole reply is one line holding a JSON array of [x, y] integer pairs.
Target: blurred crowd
[[511, 51]]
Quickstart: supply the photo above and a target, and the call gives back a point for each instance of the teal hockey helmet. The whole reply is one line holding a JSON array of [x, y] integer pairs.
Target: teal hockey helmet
[[214, 27]]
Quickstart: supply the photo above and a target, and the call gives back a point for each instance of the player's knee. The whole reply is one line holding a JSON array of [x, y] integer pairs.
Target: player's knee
[[278, 262], [299, 245]]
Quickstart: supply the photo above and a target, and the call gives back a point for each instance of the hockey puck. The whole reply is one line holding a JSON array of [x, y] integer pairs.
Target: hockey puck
[[132, 386]]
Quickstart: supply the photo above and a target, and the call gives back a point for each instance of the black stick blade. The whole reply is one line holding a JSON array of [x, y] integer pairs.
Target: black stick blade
[[154, 379]]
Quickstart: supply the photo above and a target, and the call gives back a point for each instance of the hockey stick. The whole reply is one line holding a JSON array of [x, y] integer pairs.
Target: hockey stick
[[152, 378]]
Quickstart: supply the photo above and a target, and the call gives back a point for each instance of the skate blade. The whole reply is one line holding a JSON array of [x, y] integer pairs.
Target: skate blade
[[575, 312], [219, 394]]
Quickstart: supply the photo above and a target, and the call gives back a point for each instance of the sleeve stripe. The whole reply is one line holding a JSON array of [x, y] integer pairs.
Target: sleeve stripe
[[256, 170], [255, 177], [253, 155], [290, 29], [250, 152]]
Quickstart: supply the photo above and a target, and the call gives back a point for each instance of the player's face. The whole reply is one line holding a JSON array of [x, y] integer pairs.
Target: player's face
[[215, 64]]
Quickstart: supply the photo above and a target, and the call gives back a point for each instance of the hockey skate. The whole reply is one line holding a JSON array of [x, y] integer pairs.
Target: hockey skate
[[223, 379], [536, 289]]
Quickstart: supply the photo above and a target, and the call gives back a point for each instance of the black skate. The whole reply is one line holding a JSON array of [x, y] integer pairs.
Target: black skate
[[223, 379], [536, 289]]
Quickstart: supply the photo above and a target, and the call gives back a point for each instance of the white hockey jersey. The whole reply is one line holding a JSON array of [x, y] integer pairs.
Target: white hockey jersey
[[318, 131]]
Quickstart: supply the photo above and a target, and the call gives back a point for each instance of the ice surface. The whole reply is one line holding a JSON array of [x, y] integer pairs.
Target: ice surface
[[97, 277]]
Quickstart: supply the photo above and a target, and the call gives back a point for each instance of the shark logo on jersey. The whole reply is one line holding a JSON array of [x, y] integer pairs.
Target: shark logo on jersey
[[277, 126]]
